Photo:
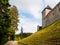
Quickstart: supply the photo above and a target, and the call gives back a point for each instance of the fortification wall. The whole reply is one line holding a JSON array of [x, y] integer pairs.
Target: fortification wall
[[53, 15]]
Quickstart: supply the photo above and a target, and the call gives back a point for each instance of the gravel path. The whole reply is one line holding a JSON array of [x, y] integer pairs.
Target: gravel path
[[11, 43]]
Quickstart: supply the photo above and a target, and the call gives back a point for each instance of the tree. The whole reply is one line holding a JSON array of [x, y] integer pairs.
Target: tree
[[13, 13], [8, 21], [21, 34], [4, 21]]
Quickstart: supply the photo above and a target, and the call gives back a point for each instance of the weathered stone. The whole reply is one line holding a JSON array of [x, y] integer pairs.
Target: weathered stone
[[49, 16]]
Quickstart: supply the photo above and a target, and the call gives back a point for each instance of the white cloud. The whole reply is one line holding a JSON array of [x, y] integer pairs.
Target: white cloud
[[30, 6], [34, 10], [33, 7], [52, 3], [28, 25]]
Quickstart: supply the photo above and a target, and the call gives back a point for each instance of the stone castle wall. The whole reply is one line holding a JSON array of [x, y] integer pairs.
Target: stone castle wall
[[52, 16]]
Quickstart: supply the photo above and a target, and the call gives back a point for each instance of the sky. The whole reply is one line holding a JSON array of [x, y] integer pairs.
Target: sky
[[30, 13]]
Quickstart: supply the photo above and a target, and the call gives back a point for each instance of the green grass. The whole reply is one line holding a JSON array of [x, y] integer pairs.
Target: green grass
[[17, 37], [47, 36]]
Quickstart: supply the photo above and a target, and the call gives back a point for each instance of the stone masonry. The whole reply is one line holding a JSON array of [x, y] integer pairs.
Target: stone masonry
[[50, 15]]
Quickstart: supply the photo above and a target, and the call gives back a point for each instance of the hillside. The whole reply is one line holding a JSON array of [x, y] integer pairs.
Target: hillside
[[47, 36]]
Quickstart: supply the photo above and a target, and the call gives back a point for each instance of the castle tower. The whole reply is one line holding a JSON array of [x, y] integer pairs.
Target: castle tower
[[44, 14], [39, 28]]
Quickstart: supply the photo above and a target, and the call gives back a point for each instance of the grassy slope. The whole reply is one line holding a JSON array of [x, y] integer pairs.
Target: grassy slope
[[47, 36]]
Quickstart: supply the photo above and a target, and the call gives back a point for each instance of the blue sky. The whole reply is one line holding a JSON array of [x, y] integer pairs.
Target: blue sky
[[30, 13]]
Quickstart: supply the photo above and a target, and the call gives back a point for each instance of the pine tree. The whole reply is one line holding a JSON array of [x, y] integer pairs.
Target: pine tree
[[21, 34]]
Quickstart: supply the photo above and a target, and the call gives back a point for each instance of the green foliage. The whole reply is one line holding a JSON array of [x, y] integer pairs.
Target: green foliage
[[17, 37], [8, 21], [13, 13], [24, 35], [4, 21], [47, 36]]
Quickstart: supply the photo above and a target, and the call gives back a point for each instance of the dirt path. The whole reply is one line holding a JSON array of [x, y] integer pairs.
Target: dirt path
[[11, 43]]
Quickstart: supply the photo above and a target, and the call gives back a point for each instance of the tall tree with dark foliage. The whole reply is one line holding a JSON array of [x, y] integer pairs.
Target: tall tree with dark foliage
[[4, 21], [14, 22]]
